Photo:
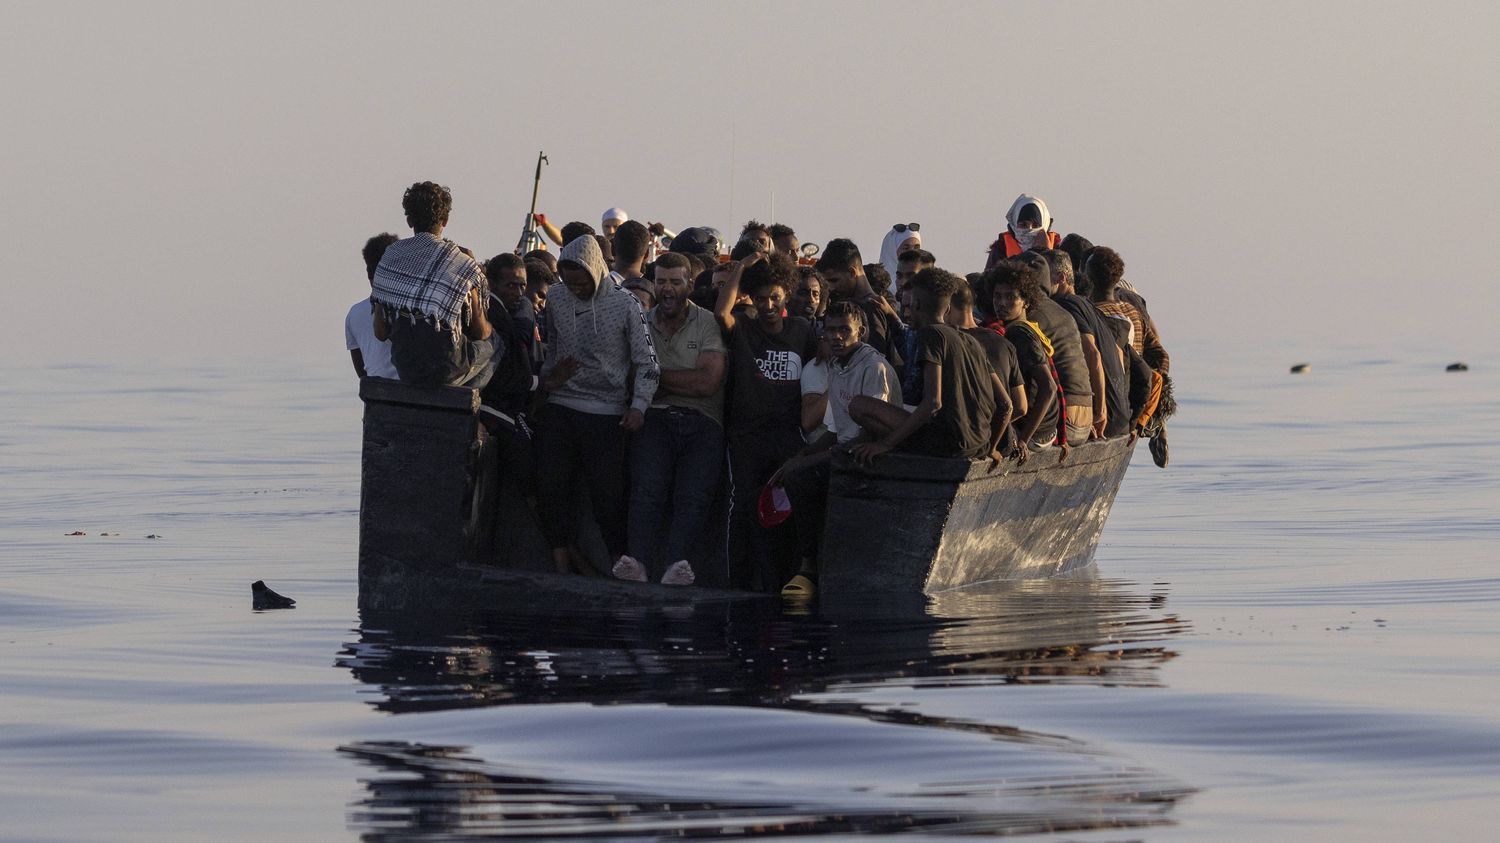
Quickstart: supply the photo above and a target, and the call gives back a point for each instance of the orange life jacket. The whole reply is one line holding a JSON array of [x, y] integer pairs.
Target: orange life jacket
[[1012, 248]]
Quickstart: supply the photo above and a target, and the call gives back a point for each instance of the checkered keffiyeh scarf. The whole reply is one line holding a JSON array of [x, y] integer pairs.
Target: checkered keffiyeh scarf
[[424, 277]]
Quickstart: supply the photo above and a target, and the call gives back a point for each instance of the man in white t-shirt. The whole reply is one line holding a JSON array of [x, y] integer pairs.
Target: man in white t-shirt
[[854, 369], [372, 357]]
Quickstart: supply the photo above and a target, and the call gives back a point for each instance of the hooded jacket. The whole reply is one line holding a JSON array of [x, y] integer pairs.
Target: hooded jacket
[[608, 335], [866, 373], [1006, 245]]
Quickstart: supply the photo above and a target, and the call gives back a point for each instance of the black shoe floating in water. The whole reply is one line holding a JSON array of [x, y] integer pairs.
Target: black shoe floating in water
[[262, 597], [1159, 449]]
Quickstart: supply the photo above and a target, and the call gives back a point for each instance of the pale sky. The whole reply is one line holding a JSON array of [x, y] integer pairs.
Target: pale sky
[[196, 180]]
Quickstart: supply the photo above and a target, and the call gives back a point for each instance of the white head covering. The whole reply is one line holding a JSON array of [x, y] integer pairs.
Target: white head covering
[[614, 214], [888, 247], [1022, 201], [1027, 240]]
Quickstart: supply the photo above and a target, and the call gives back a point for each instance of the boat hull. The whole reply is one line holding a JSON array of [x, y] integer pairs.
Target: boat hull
[[438, 528], [917, 524]]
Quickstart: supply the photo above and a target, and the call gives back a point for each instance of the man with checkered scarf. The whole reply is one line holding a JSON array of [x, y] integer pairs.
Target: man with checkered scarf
[[429, 297]]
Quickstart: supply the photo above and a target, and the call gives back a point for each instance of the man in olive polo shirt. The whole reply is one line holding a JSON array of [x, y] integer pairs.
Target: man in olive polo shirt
[[677, 457]]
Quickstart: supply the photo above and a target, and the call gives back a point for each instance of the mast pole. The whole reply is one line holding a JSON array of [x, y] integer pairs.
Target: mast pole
[[529, 235]]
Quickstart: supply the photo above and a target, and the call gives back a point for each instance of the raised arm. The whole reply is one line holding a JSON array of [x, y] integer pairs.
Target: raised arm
[[548, 228], [727, 277]]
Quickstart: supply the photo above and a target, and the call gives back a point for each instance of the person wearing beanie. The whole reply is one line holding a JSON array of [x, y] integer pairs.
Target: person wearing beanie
[[600, 376], [611, 220]]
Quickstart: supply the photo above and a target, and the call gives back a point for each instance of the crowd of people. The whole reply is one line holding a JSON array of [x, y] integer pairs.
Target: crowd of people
[[645, 368]]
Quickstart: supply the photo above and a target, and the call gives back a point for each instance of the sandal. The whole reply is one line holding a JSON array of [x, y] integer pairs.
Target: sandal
[[799, 586]]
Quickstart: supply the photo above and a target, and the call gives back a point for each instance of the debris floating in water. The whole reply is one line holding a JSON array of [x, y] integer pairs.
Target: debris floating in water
[[76, 533], [1458, 367], [1300, 368], [262, 597], [153, 536]]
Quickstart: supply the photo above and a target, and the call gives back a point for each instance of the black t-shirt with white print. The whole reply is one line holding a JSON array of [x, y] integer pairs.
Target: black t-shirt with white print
[[766, 375]]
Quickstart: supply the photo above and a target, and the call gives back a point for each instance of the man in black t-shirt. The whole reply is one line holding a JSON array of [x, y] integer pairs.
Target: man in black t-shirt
[[840, 266], [1100, 350], [1001, 354], [766, 353], [1015, 290], [964, 407]]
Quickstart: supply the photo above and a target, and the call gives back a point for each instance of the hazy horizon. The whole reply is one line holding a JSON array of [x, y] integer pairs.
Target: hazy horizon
[[196, 182]]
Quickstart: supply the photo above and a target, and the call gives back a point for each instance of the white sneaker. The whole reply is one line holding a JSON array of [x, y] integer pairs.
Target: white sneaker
[[626, 568], [678, 573]]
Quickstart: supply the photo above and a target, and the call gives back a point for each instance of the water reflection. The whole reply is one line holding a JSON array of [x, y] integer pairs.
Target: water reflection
[[763, 731]]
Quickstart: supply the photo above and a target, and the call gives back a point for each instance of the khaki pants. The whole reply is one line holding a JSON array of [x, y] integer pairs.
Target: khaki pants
[[1080, 423]]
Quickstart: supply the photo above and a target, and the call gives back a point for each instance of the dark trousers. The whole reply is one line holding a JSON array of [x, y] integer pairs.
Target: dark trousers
[[569, 445], [758, 559], [517, 458], [424, 356], [676, 460], [807, 489]]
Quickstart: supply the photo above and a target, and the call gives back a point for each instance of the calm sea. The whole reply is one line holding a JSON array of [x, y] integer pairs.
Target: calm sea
[[1291, 634]]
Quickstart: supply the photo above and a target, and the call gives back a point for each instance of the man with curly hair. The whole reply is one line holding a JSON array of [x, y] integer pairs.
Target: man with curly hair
[[767, 352], [430, 299], [759, 233], [1015, 289]]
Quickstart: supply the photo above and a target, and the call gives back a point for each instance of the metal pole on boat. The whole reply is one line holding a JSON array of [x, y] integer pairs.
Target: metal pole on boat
[[530, 239]]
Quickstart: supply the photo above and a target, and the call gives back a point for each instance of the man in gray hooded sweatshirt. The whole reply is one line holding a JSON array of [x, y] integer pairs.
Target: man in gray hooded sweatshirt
[[597, 338]]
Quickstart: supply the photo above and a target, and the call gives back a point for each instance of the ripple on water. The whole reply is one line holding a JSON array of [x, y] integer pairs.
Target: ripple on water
[[684, 771], [735, 720]]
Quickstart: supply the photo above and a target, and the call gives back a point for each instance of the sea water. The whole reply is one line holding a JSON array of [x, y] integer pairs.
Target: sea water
[[1290, 634]]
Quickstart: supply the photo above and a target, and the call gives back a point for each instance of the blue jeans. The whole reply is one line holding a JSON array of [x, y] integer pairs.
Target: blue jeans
[[676, 460]]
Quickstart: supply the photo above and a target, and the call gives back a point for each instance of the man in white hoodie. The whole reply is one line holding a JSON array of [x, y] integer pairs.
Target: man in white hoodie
[[596, 338]]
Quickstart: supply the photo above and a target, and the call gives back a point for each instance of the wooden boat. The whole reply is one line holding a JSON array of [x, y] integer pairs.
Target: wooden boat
[[438, 527]]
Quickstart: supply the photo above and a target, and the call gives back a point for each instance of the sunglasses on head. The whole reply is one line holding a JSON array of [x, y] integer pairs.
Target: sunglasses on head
[[903, 227]]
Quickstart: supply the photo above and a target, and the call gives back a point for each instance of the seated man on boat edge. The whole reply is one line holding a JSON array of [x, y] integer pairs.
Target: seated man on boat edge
[[1015, 287], [964, 410], [1073, 373], [1100, 354], [1001, 354], [430, 300], [855, 369]]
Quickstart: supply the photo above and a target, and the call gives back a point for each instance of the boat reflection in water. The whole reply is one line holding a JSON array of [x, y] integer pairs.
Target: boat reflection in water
[[738, 719]]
